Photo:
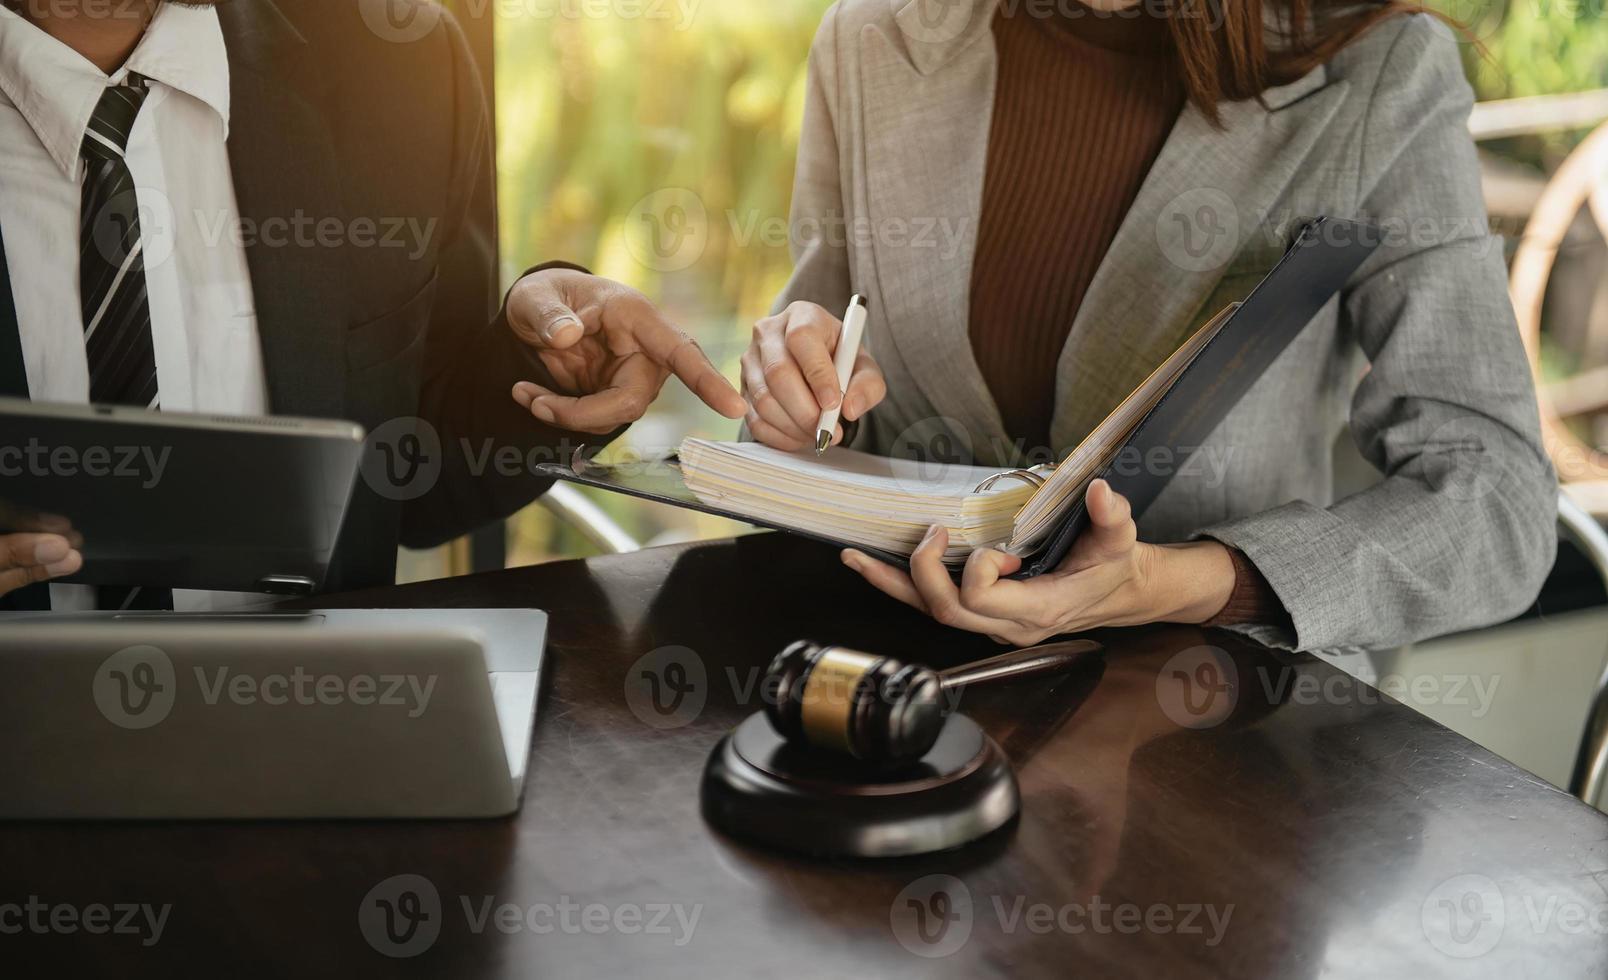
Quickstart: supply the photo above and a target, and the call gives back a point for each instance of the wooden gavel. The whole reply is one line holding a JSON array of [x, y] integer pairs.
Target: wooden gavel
[[878, 709]]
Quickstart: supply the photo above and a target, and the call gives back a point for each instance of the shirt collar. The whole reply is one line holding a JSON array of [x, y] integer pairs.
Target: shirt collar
[[56, 89]]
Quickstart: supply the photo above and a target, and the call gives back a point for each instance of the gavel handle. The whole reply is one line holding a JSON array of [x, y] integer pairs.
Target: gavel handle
[[1043, 659]]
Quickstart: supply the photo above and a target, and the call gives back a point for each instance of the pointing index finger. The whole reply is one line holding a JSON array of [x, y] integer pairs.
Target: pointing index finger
[[672, 347]]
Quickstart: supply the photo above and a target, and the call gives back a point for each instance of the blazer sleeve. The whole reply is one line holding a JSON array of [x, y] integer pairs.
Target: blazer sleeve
[[472, 357], [1460, 531], [819, 239], [817, 221]]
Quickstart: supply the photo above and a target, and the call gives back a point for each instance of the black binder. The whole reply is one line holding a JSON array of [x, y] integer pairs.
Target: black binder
[[1319, 262], [13, 372]]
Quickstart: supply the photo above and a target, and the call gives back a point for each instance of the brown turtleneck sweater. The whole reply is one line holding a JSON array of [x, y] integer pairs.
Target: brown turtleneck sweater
[[1083, 103]]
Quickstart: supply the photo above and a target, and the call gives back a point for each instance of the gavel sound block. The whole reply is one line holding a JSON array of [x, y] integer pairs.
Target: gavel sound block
[[859, 755]]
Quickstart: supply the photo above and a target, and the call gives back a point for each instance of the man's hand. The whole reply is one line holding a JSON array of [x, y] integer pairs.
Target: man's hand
[[609, 352], [1110, 578], [29, 558], [789, 378]]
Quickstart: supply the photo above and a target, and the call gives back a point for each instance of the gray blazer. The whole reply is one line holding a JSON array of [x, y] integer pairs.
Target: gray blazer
[[1419, 356]]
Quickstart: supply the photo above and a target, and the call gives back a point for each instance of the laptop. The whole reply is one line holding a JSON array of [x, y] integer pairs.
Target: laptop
[[316, 715]]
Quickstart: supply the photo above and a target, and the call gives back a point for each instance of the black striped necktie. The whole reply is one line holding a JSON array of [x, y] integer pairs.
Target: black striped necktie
[[111, 263], [111, 280]]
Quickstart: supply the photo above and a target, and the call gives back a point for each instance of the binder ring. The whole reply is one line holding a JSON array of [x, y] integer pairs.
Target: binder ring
[[1032, 479]]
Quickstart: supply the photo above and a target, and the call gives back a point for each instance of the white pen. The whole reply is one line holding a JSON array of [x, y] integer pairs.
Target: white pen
[[848, 348]]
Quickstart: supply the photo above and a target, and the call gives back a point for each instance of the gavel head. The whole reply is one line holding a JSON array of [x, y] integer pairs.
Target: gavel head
[[873, 708]]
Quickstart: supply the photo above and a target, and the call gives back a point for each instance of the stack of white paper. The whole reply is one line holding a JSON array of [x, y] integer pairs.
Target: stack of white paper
[[854, 497], [889, 504]]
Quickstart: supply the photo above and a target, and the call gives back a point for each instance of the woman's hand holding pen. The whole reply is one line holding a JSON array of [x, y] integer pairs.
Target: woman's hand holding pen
[[1111, 578], [789, 378]]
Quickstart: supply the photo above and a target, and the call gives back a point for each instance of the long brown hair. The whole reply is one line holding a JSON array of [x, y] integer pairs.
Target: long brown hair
[[1226, 57]]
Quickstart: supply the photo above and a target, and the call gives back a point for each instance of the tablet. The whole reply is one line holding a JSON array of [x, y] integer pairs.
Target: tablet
[[177, 500]]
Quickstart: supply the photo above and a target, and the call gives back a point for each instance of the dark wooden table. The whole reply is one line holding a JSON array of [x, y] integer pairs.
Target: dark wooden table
[[1193, 806]]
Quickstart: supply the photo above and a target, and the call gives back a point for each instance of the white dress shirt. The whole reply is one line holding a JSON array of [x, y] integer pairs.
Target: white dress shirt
[[203, 320]]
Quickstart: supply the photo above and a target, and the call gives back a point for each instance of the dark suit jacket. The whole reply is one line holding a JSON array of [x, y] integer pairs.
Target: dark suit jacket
[[332, 123]]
